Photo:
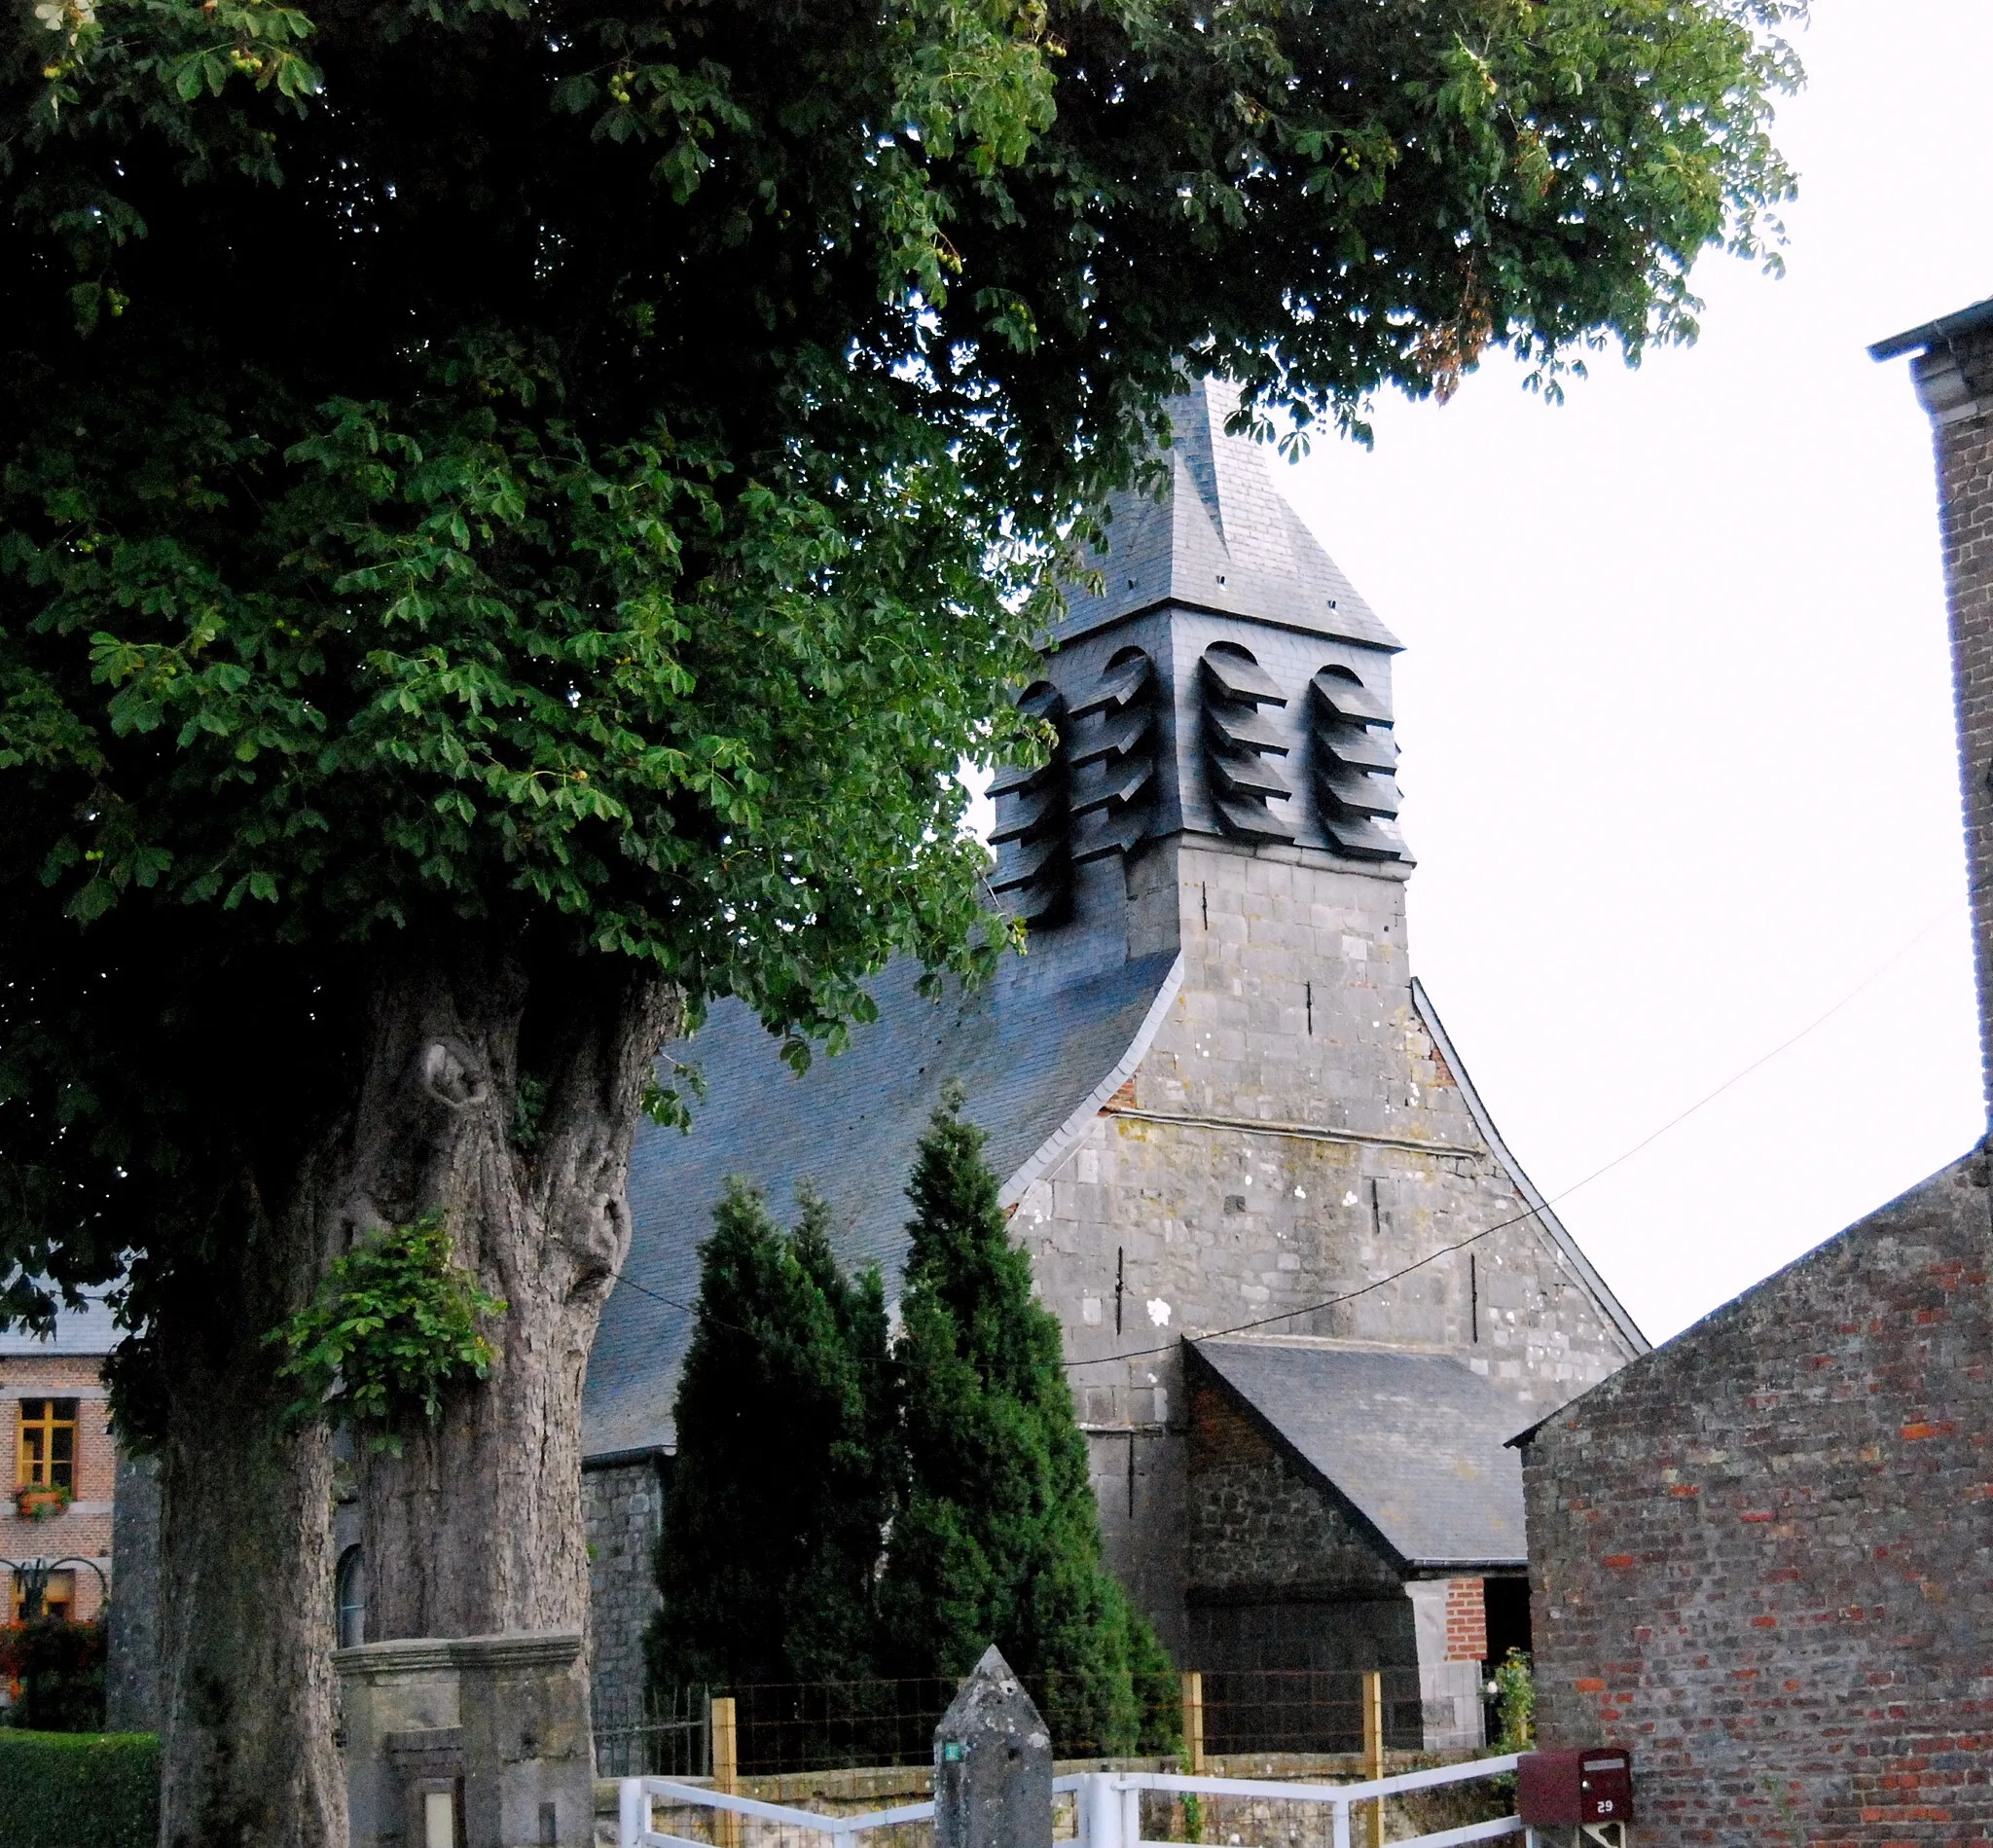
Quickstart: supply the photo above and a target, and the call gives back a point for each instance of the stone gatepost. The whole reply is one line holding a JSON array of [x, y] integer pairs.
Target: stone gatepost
[[992, 1764], [467, 1742]]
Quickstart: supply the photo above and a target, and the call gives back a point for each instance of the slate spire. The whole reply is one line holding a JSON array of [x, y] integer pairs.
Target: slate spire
[[1222, 538]]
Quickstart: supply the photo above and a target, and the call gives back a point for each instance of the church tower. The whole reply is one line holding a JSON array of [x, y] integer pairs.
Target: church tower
[[1306, 1293]]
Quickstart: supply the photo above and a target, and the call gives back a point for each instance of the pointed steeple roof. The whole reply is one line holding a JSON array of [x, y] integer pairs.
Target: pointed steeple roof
[[1222, 537]]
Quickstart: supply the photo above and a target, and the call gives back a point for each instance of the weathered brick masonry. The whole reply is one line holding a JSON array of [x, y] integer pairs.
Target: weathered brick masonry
[[1762, 1555], [1954, 375]]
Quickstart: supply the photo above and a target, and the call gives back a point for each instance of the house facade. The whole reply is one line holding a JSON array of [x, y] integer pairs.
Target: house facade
[[1254, 1180], [54, 1417]]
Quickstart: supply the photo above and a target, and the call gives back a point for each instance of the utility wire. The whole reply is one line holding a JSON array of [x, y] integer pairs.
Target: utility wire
[[1447, 1251], [1501, 1225]]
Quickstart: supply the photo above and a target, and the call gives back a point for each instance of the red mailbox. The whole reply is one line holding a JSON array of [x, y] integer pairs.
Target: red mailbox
[[1557, 1789]]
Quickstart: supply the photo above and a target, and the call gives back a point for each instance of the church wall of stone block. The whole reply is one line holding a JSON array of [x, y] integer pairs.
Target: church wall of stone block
[[1291, 1134], [623, 1511]]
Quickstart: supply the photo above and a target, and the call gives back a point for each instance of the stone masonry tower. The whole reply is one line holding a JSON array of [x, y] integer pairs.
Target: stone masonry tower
[[1294, 1139], [1953, 368], [1305, 1293]]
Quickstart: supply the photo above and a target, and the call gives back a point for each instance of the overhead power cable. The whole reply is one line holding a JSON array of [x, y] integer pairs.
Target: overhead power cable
[[1867, 982], [1501, 1225]]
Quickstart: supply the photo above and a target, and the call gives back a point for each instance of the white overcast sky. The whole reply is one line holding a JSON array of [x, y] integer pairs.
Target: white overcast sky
[[1679, 759], [1675, 705]]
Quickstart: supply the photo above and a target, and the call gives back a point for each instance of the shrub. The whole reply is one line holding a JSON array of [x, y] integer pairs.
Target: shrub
[[998, 1537], [59, 1669], [79, 1789], [766, 1574], [1515, 1703]]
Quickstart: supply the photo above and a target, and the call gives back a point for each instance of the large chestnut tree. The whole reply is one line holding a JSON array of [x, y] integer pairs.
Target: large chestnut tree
[[511, 511]]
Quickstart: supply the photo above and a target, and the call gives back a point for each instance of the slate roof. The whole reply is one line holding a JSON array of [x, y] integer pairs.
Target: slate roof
[[1039, 1051], [77, 1332], [1221, 538], [1414, 1441]]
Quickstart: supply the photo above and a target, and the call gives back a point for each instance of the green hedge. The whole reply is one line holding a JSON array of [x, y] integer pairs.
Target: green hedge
[[79, 1789]]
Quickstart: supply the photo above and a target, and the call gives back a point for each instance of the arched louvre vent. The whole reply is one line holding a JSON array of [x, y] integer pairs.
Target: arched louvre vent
[[1356, 764], [1240, 746], [1114, 761], [1034, 822]]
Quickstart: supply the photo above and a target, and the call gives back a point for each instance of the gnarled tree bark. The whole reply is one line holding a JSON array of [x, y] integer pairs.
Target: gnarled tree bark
[[504, 1097], [246, 1556], [475, 1526]]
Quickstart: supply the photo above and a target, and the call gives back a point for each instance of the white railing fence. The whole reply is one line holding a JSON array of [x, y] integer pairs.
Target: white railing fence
[[1108, 1805], [636, 1795]]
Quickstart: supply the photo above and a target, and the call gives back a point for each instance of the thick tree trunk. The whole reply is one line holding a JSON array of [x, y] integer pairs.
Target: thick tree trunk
[[246, 1569], [475, 1526]]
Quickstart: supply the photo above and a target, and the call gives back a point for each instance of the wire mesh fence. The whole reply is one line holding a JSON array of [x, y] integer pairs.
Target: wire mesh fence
[[661, 1734], [1312, 1713], [784, 1729]]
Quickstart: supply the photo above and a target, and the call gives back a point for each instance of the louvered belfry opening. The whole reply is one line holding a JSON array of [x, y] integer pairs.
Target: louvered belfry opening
[[1356, 765], [1116, 733], [1034, 831], [1240, 746]]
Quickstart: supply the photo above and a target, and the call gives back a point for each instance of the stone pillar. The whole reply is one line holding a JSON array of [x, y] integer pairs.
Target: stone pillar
[[1451, 1648], [131, 1669], [1953, 369], [992, 1764], [497, 1724]]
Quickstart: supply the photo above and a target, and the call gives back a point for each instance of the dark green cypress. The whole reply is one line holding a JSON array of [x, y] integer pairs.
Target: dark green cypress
[[780, 1489], [997, 1537]]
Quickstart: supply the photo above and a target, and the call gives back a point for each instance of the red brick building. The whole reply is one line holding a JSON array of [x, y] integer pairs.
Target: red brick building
[[1761, 1556], [54, 1423]]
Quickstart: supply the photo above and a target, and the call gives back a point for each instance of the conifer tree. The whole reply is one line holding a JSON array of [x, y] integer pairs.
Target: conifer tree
[[779, 1498], [997, 1537]]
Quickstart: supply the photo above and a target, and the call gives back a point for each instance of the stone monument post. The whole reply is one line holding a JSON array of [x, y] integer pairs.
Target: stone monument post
[[992, 1764], [468, 1742]]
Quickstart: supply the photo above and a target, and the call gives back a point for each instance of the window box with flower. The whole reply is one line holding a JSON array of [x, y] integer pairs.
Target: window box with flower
[[42, 1501]]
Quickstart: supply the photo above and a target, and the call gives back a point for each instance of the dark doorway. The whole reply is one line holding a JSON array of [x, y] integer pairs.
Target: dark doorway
[[1506, 1602]]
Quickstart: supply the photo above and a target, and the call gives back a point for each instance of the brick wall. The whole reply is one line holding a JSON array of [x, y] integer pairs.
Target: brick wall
[[1466, 1620], [1762, 1556], [623, 1510], [1955, 381], [83, 1529]]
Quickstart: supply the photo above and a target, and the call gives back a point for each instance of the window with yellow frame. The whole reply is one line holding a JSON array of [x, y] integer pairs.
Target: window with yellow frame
[[58, 1596], [46, 1458]]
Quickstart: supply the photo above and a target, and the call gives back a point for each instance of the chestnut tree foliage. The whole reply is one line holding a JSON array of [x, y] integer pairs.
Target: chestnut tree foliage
[[577, 477]]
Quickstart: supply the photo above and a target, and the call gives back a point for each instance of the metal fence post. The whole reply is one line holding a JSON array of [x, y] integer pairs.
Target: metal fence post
[[1193, 1722], [633, 1819], [1099, 1810], [726, 1769], [1373, 1752]]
